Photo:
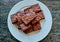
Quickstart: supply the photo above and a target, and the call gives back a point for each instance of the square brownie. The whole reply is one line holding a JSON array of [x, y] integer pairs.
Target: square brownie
[[28, 30], [34, 8], [24, 27], [27, 18], [19, 16], [39, 17], [14, 18], [37, 26]]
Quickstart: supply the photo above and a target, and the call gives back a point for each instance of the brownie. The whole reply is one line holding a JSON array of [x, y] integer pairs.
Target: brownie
[[24, 27], [19, 16], [27, 18], [14, 18], [37, 26], [28, 30], [39, 17], [34, 8]]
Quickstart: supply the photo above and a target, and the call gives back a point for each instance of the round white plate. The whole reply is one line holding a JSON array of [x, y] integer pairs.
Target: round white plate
[[34, 36]]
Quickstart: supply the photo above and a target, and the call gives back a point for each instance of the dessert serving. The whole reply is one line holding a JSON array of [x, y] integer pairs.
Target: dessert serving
[[28, 20]]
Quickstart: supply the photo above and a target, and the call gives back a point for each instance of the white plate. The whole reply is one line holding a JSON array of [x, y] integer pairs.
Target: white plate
[[34, 36]]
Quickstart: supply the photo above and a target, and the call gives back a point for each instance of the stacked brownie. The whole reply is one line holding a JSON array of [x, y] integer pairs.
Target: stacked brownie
[[28, 20]]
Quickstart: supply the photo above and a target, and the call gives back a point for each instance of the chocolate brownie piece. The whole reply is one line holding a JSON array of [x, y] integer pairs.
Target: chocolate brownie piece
[[27, 18], [39, 17], [14, 18], [37, 26], [24, 27], [19, 16], [28, 30], [34, 8]]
